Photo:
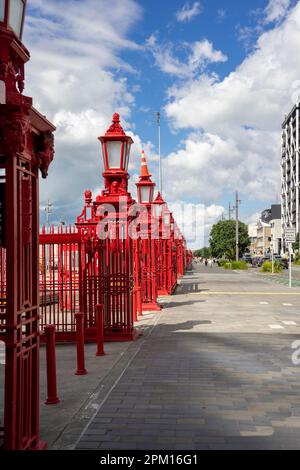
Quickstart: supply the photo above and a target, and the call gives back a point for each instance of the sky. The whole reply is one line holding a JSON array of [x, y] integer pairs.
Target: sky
[[222, 74]]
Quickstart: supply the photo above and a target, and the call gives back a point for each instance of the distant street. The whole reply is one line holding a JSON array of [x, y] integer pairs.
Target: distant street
[[214, 371]]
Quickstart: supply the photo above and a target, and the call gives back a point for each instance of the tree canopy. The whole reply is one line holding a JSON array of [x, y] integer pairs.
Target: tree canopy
[[203, 252], [222, 239]]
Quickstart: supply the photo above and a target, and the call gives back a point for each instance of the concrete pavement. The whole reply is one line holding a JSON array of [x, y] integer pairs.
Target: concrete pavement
[[214, 372]]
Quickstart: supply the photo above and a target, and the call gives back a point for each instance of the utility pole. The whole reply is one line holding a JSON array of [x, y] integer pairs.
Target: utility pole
[[48, 210], [159, 152], [229, 212], [236, 207]]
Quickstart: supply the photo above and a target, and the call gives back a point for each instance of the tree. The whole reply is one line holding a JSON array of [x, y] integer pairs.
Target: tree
[[203, 252], [222, 239]]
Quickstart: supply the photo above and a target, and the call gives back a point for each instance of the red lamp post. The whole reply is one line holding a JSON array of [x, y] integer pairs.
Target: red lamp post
[[26, 145], [160, 212], [145, 190], [180, 251], [172, 255], [105, 228]]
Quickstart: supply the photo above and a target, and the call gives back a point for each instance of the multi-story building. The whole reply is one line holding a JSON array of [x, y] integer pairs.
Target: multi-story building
[[290, 146], [263, 239], [252, 232], [266, 234]]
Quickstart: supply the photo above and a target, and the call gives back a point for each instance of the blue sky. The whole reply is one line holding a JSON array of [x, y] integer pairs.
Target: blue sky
[[222, 73]]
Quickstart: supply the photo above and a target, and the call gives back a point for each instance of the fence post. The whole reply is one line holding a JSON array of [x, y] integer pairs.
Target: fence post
[[52, 397], [139, 300], [81, 370], [135, 313], [100, 330]]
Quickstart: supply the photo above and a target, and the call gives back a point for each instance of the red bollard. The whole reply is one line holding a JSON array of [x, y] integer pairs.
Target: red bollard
[[52, 397], [100, 330], [135, 313], [81, 370]]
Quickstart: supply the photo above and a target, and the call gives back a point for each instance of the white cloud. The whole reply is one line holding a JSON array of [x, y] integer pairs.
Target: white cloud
[[78, 80], [195, 220], [237, 120], [187, 12], [276, 10], [198, 55]]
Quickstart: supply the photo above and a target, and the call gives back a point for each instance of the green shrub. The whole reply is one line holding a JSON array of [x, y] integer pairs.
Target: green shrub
[[236, 265], [227, 265], [267, 267], [222, 262], [240, 265], [297, 262]]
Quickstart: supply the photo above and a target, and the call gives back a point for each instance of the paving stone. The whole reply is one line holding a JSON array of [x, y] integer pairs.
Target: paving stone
[[211, 375]]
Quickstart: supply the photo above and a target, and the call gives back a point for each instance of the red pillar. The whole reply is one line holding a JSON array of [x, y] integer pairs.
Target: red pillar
[[26, 145], [100, 330], [81, 370], [52, 397]]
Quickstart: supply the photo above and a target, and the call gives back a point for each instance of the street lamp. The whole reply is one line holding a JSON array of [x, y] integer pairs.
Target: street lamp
[[116, 148], [12, 15], [145, 190], [145, 186], [158, 205], [26, 146]]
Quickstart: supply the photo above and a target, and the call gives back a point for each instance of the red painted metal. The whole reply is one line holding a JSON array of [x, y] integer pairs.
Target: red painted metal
[[79, 319], [109, 215], [52, 397], [60, 260], [147, 254], [100, 331], [25, 147]]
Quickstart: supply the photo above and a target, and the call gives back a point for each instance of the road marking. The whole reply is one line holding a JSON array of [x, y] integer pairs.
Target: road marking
[[289, 323], [276, 327], [244, 293], [264, 303], [287, 305]]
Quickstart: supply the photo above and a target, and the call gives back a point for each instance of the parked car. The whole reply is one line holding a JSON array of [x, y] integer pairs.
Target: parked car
[[259, 261], [247, 257]]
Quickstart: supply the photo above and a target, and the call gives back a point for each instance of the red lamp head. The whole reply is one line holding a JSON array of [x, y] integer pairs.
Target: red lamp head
[[158, 205], [12, 15], [172, 222], [145, 186], [116, 147]]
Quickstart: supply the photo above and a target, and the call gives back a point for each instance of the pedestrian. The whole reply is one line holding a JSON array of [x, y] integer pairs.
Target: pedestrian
[[206, 261]]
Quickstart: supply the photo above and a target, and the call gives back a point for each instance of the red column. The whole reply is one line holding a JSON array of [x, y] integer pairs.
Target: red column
[[81, 370], [52, 397], [135, 313]]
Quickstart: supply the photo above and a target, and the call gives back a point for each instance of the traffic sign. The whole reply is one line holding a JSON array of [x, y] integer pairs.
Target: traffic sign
[[290, 235]]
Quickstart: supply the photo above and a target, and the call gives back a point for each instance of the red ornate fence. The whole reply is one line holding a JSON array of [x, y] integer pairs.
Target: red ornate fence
[[60, 260]]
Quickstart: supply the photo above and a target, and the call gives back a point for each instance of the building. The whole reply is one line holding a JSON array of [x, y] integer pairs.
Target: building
[[252, 232], [266, 234], [263, 239], [290, 146]]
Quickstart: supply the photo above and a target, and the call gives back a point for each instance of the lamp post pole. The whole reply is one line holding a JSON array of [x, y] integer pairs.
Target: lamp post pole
[[236, 207], [26, 145], [145, 190], [106, 230], [159, 153]]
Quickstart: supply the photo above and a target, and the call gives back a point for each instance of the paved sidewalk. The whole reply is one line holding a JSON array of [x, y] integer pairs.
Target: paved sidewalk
[[214, 372], [61, 424]]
